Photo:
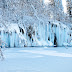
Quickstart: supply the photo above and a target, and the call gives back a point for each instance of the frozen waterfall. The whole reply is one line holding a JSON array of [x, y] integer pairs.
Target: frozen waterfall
[[50, 34]]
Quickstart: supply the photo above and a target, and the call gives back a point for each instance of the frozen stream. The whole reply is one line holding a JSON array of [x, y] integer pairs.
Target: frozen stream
[[40, 59]]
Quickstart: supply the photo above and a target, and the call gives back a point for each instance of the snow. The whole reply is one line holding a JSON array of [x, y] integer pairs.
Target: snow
[[13, 27], [38, 35], [37, 59], [34, 23]]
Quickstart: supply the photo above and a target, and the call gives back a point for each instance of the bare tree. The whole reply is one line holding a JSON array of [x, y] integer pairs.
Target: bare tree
[[2, 45], [1, 53]]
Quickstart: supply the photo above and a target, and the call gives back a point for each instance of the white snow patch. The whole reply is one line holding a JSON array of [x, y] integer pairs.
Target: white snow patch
[[50, 53]]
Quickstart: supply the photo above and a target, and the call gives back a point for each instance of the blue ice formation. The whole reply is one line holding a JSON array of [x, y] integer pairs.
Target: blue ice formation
[[50, 34]]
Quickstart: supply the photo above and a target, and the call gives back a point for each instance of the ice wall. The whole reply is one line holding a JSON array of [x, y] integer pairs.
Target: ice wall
[[51, 34]]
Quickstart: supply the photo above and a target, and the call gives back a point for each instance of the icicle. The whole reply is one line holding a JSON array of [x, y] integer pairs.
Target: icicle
[[12, 34], [16, 41], [52, 40], [6, 39], [57, 34], [49, 37], [46, 32]]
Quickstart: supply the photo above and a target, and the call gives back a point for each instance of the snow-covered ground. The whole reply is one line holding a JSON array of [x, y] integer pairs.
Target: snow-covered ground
[[40, 59]]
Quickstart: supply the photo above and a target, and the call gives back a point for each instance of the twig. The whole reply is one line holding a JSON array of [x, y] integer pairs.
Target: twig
[[1, 54]]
